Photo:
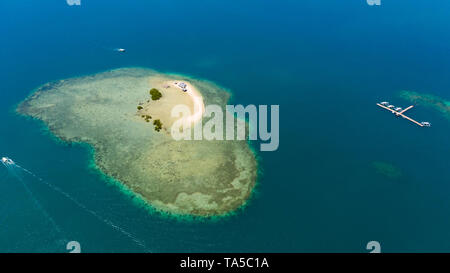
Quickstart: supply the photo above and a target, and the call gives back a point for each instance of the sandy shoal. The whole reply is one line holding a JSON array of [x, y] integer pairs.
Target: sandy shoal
[[172, 96]]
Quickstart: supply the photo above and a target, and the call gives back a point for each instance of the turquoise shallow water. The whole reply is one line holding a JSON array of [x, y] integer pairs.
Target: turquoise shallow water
[[325, 64]]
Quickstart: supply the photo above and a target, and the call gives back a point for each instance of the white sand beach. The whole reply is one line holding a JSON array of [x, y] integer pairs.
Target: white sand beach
[[172, 96], [197, 101]]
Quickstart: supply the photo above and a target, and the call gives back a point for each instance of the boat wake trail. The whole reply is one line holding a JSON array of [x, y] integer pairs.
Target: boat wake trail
[[15, 169]]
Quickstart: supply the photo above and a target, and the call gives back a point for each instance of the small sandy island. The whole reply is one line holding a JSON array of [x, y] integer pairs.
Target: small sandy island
[[174, 92], [116, 114]]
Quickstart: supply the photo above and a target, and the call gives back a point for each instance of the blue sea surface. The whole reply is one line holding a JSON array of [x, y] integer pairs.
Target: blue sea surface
[[326, 63]]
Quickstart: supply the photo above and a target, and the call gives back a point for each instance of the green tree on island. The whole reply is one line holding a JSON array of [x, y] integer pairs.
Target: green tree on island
[[158, 125], [156, 95], [147, 118]]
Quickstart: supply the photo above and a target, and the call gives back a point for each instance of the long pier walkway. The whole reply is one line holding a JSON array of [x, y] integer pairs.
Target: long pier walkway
[[401, 113]]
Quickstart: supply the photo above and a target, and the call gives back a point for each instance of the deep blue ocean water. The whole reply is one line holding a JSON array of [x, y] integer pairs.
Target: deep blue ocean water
[[324, 62]]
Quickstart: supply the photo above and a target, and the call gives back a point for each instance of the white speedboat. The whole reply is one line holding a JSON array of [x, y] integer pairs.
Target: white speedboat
[[6, 160]]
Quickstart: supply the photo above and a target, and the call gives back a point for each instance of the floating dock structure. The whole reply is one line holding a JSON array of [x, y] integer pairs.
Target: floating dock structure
[[399, 113]]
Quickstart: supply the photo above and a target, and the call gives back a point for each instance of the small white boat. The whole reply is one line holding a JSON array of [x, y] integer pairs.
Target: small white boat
[[121, 50], [426, 123], [6, 160]]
